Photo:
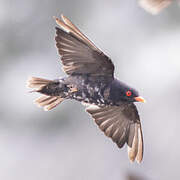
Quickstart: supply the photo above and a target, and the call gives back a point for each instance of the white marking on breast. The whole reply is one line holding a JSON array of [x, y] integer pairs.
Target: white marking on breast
[[96, 89], [83, 95]]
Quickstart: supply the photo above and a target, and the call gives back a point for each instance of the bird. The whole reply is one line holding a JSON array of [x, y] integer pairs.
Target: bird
[[90, 80], [154, 6]]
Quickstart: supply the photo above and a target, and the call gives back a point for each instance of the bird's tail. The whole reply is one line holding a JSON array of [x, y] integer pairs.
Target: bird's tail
[[53, 92]]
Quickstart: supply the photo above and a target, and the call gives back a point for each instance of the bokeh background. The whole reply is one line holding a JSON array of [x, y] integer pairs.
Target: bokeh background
[[65, 143]]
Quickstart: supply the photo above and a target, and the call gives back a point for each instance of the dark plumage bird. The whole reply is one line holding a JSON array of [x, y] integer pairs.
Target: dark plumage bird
[[91, 81]]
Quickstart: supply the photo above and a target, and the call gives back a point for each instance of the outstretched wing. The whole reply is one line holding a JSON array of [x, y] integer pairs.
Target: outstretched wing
[[154, 6], [78, 54], [122, 125]]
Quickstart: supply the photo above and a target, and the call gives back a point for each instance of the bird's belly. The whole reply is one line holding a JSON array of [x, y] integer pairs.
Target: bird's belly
[[88, 90], [91, 95]]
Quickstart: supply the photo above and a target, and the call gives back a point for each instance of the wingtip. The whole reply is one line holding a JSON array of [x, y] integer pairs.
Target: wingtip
[[66, 25], [56, 19], [46, 108], [139, 156], [138, 161], [62, 16], [136, 151], [131, 154], [62, 25], [66, 21], [133, 157]]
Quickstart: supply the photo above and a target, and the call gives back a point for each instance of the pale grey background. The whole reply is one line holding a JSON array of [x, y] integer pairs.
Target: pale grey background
[[65, 143]]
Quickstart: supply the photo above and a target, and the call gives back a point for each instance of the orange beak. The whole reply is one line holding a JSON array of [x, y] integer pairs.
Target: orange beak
[[140, 99]]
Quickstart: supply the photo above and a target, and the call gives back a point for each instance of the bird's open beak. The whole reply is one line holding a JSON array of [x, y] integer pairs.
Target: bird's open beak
[[140, 99]]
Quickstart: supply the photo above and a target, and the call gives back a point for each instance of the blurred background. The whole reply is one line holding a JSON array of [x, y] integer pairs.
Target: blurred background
[[65, 143]]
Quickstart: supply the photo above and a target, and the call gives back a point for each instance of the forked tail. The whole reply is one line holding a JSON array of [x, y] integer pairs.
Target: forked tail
[[54, 92]]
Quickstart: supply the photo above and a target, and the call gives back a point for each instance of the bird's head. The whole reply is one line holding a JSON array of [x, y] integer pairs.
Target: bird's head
[[123, 93], [131, 95]]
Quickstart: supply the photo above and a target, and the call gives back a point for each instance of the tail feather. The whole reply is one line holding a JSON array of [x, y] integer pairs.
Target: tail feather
[[47, 101], [37, 83], [44, 100]]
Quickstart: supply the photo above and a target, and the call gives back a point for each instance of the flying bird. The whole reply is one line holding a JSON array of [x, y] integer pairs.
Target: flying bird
[[154, 6], [90, 80]]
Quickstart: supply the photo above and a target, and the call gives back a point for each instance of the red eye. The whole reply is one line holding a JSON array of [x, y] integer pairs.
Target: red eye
[[128, 93]]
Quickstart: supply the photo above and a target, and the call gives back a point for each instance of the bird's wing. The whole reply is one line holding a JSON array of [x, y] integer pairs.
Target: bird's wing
[[78, 54], [154, 6], [122, 125]]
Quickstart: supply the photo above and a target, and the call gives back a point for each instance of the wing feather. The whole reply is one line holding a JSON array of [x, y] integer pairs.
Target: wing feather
[[122, 125], [75, 29], [78, 54]]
